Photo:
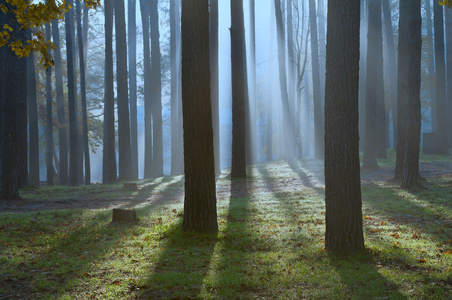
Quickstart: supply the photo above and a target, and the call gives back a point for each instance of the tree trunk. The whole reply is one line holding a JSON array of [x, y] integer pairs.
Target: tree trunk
[[362, 72], [431, 62], [125, 161], [33, 128], [238, 76], [391, 64], [448, 20], [72, 105], [62, 122], [374, 86], [177, 163], [413, 78], [214, 72], [49, 119], [270, 96], [291, 88], [144, 7], [200, 212], [344, 229], [132, 43], [410, 44], [288, 124], [109, 174], [251, 117], [318, 108], [86, 153], [13, 110], [156, 88], [440, 76]]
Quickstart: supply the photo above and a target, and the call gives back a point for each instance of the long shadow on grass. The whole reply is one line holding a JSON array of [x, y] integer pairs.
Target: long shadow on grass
[[232, 268], [361, 280], [181, 266], [403, 211], [53, 268], [75, 245], [168, 190]]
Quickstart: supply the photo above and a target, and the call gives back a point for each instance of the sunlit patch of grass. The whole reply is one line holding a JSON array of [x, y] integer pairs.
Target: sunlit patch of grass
[[270, 244]]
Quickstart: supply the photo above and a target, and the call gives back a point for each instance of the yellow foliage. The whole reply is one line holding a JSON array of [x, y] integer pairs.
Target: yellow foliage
[[448, 3], [31, 16]]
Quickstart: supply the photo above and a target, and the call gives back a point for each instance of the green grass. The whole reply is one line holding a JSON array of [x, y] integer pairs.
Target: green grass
[[270, 245]]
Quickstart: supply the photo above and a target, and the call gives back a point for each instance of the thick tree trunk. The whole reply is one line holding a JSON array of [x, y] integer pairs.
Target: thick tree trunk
[[318, 107], [81, 52], [62, 121], [440, 77], [109, 174], [13, 111], [374, 86], [411, 42], [33, 128], [156, 88], [125, 160], [72, 105], [239, 92], [344, 225], [200, 211], [132, 43]]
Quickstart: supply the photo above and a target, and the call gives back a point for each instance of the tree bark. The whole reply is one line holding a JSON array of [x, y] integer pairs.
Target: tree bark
[[72, 105], [156, 88], [132, 43], [410, 44], [13, 110], [239, 92], [109, 174], [251, 117], [288, 124], [344, 231], [49, 120], [214, 72], [144, 7], [33, 128], [431, 62], [177, 161], [125, 160], [81, 52], [374, 86], [200, 212], [391, 64], [448, 21], [62, 121], [318, 107], [440, 76]]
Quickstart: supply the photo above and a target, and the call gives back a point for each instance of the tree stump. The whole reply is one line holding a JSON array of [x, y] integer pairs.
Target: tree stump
[[122, 215], [130, 186]]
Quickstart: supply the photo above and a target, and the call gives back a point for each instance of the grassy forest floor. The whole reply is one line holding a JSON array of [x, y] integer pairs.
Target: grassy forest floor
[[59, 242]]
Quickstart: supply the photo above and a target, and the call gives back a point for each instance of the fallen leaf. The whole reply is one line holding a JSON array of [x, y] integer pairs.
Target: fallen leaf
[[366, 217]]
